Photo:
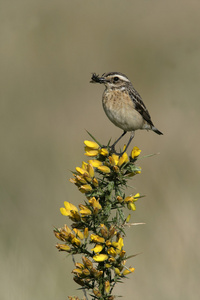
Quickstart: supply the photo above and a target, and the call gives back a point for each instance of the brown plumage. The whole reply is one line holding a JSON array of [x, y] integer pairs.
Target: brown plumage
[[123, 105]]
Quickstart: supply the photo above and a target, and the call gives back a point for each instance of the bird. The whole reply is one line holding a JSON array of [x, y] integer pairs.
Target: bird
[[123, 105]]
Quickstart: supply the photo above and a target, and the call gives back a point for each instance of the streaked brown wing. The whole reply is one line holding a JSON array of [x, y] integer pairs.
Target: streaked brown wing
[[139, 105]]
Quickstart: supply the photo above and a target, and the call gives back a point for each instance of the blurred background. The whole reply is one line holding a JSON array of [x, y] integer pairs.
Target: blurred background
[[48, 51]]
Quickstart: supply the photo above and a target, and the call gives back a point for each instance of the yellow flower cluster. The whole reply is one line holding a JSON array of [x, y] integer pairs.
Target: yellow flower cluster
[[84, 272], [106, 251], [111, 249], [105, 164], [129, 201], [98, 224], [77, 216], [74, 239], [72, 212], [84, 178], [93, 149]]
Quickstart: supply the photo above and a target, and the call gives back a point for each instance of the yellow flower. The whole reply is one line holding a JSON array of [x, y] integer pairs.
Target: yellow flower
[[120, 244], [97, 248], [100, 257], [58, 235], [131, 206], [117, 271], [115, 244], [116, 169], [115, 157], [97, 239], [73, 180], [107, 287], [123, 159], [61, 247], [77, 271], [69, 207], [74, 216], [76, 241], [108, 266], [97, 293], [86, 233], [86, 272], [79, 265], [120, 199], [80, 180], [135, 152], [128, 271], [112, 259], [79, 233], [67, 229], [64, 235], [96, 273], [85, 188], [129, 199], [128, 218], [111, 251], [95, 203], [136, 197], [104, 169], [87, 263], [91, 145], [111, 160], [84, 165], [91, 148], [95, 163], [88, 178], [122, 253], [104, 231], [91, 170], [81, 171], [84, 210], [79, 281], [95, 182], [112, 231], [64, 212], [104, 151], [91, 153], [134, 173], [108, 243]]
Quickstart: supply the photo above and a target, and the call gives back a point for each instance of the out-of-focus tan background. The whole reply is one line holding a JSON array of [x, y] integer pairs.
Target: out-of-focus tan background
[[48, 51]]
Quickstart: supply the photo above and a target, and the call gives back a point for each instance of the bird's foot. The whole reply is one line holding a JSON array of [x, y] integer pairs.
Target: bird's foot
[[117, 153], [112, 150]]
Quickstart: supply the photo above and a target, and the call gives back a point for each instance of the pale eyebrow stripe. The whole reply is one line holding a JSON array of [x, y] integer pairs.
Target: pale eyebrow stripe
[[122, 77]]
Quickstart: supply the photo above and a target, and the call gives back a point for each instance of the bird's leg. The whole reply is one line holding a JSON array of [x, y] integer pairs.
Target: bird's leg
[[131, 137], [113, 146]]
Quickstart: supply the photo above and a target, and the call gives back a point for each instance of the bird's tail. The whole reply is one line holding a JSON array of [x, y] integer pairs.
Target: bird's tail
[[156, 130]]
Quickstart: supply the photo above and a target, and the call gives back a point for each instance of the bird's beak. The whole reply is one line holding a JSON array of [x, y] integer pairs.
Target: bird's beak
[[97, 79]]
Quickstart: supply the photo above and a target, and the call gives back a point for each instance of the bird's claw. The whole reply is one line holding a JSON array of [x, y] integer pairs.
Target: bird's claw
[[113, 151], [117, 153]]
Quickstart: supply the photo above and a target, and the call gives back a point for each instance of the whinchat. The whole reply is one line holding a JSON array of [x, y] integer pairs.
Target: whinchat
[[123, 105]]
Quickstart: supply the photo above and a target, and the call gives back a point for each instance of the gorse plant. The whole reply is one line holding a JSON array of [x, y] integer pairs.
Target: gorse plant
[[98, 225]]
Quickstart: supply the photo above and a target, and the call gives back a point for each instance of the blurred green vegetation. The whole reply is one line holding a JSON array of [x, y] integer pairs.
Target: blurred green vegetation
[[48, 51]]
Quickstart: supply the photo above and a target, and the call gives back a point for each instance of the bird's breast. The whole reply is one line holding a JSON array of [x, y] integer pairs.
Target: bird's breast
[[120, 109]]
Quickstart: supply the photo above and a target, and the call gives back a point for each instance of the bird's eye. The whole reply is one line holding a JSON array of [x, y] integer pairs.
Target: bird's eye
[[116, 79]]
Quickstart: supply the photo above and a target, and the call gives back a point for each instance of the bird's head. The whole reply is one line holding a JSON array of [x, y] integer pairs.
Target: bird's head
[[112, 80]]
